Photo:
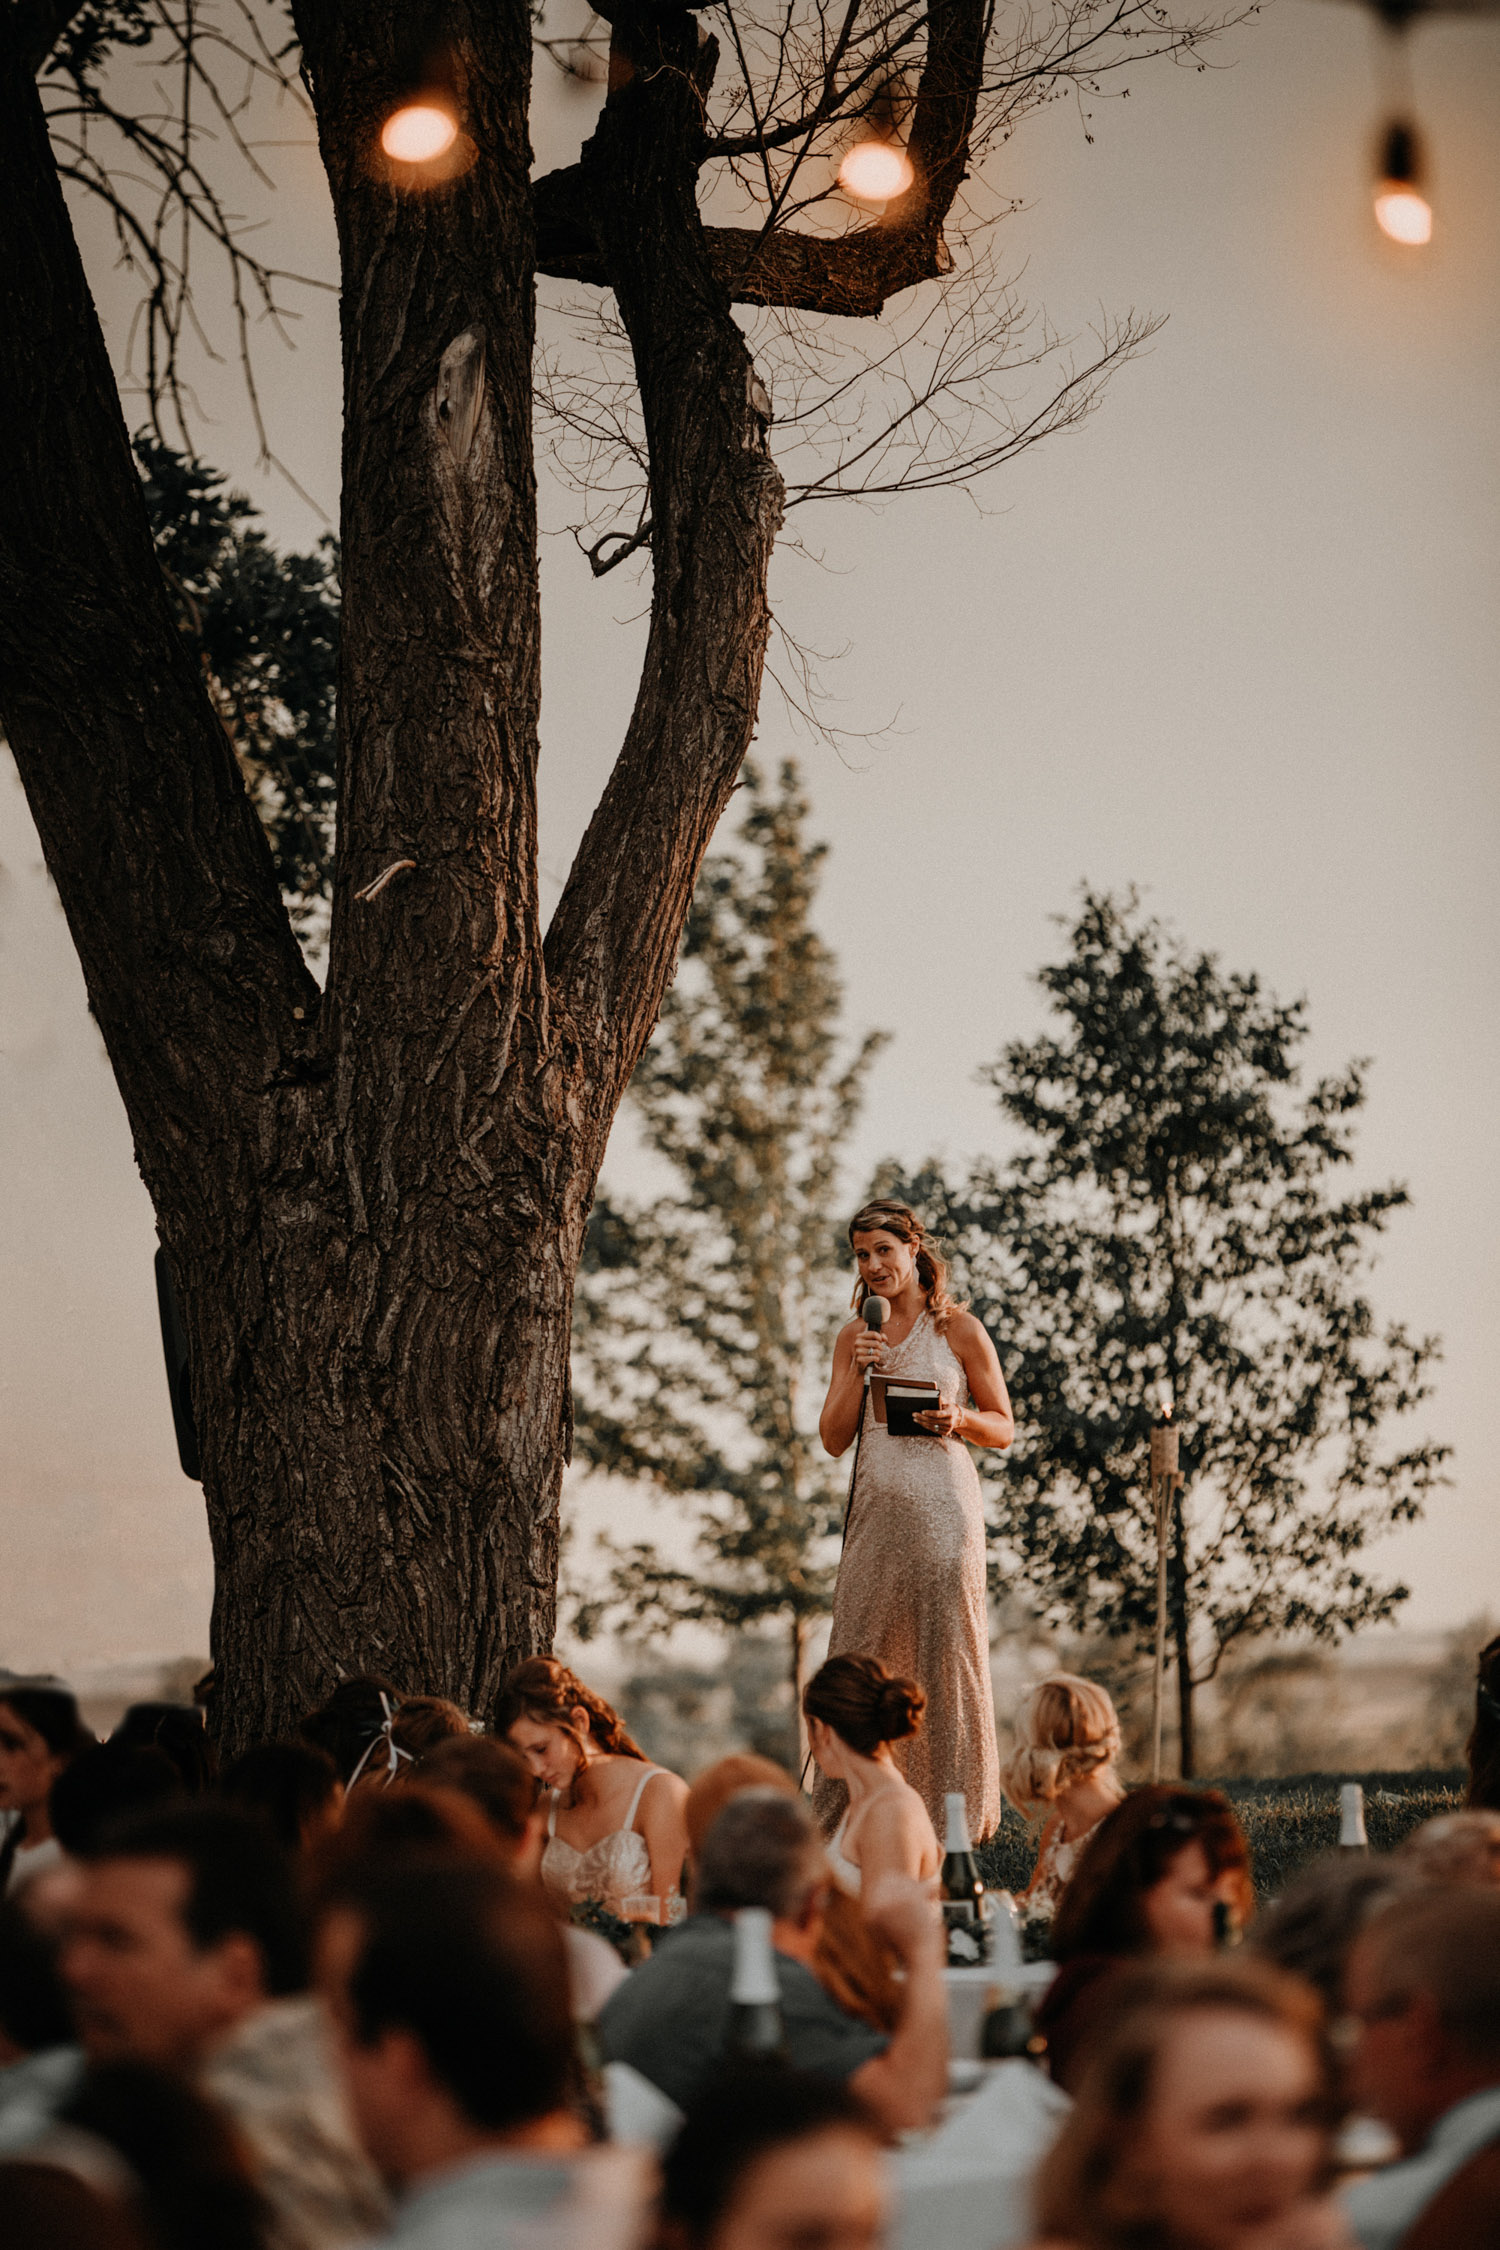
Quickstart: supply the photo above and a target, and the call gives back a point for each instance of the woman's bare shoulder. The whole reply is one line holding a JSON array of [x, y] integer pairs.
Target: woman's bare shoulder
[[967, 1328]]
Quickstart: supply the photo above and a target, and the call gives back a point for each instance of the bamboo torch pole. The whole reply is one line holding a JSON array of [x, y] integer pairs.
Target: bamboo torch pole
[[1164, 1481]]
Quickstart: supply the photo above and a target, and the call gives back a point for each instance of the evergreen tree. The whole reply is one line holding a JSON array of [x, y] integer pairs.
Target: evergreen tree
[[1167, 1223], [264, 629], [705, 1318]]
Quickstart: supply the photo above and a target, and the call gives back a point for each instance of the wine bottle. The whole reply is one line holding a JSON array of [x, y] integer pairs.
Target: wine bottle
[[756, 2030], [960, 1888], [1352, 1837]]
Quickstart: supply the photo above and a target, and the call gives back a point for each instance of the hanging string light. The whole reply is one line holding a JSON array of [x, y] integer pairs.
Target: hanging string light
[[1402, 211], [1402, 205]]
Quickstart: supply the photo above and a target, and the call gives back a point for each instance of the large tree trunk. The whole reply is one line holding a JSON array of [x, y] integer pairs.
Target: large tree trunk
[[373, 1199]]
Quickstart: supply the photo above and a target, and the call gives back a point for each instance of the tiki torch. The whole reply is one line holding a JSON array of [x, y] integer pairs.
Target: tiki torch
[[1164, 1483]]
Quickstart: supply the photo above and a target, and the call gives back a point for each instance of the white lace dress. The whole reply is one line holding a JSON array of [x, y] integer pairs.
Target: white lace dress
[[611, 1870]]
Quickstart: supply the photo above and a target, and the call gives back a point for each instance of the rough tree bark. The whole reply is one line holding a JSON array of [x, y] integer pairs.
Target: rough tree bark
[[373, 1197]]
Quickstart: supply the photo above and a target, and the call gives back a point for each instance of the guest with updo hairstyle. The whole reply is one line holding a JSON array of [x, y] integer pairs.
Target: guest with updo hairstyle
[[855, 1710], [615, 1826], [1067, 1741]]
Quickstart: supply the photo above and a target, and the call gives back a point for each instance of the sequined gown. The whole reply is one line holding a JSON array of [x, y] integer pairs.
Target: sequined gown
[[911, 1591]]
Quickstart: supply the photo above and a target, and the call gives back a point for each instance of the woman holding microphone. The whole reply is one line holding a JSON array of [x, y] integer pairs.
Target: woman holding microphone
[[911, 1584]]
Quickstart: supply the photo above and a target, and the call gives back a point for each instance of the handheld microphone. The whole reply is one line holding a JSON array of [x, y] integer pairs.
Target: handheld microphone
[[877, 1311]]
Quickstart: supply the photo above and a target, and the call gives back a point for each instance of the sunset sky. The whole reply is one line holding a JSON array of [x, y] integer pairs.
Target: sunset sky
[[1233, 642]]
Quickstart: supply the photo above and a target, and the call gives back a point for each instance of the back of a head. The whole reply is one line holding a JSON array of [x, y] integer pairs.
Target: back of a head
[[1129, 1852], [472, 1964], [105, 1784], [490, 1775], [191, 2175], [291, 1786], [761, 1851], [34, 2011], [238, 1880], [178, 1732], [864, 1703], [1310, 1928], [1459, 1847], [414, 1819], [1445, 1943], [740, 2117], [725, 1779], [423, 1721], [1066, 1728], [348, 1722], [1075, 2196]]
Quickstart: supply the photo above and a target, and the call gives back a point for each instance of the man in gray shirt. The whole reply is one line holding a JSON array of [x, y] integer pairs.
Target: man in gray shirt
[[1424, 1988], [670, 2019]]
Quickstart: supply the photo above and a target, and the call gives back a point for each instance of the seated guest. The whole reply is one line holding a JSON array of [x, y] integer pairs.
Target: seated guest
[[1482, 1750], [1424, 1991], [187, 2171], [185, 1949], [768, 2159], [448, 1986], [1311, 1927], [348, 1724], [423, 1721], [1459, 1847], [104, 1784], [292, 1786], [178, 1731], [1203, 2121], [40, 1735], [670, 2019], [1063, 1766], [497, 1780], [1166, 1873], [854, 1966], [855, 1710], [39, 2061], [614, 1821]]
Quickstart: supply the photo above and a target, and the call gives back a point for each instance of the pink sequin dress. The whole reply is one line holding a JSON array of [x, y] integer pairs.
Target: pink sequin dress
[[911, 1591]]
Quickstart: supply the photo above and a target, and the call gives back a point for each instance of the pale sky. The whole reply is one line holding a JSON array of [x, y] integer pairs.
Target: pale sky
[[1233, 642]]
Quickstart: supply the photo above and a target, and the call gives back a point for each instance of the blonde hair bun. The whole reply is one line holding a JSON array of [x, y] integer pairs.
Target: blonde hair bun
[[1066, 1728]]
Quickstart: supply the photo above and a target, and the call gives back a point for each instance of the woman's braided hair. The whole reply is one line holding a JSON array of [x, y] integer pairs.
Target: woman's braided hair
[[547, 1693], [902, 1221]]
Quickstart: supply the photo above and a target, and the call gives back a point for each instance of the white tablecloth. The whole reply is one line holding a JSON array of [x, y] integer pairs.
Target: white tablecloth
[[968, 2186]]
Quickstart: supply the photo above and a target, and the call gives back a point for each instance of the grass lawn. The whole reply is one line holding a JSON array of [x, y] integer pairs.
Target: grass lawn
[[1288, 1822]]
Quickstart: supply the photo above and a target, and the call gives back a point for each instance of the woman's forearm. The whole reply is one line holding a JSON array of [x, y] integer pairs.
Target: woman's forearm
[[980, 1426]]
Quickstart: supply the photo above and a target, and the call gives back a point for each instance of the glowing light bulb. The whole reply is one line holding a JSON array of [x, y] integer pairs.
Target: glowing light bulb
[[876, 172], [1402, 213], [418, 133]]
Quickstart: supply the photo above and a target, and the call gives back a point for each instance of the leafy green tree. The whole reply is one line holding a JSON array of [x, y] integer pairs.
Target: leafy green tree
[[264, 629], [1168, 1221], [704, 1319]]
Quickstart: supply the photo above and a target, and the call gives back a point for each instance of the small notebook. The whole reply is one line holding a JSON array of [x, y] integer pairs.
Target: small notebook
[[898, 1398]]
